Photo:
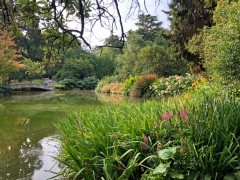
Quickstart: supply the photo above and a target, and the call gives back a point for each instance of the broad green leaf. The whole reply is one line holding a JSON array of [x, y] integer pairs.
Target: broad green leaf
[[175, 175], [161, 168], [166, 154]]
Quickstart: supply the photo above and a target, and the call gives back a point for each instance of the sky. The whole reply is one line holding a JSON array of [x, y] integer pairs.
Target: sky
[[99, 33]]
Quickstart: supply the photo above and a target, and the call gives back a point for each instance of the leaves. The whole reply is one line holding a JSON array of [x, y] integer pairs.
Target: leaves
[[8, 56], [167, 154], [161, 168]]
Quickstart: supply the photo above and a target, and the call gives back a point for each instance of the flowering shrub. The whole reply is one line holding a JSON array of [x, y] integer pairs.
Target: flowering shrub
[[176, 84]]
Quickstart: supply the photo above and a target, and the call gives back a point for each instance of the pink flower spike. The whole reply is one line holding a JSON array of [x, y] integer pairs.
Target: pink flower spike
[[183, 114], [155, 124], [145, 139], [181, 150], [167, 116]]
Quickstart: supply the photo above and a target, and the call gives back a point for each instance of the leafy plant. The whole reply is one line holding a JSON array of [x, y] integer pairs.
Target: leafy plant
[[106, 80], [81, 84], [128, 83], [164, 139], [141, 86], [175, 84], [5, 90]]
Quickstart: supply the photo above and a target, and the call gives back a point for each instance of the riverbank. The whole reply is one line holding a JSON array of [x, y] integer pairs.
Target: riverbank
[[183, 137]]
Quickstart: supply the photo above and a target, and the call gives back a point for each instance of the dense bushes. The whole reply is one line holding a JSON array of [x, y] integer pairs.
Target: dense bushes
[[175, 85], [5, 90], [82, 84], [75, 69], [150, 85], [105, 81], [173, 139], [141, 87], [218, 46]]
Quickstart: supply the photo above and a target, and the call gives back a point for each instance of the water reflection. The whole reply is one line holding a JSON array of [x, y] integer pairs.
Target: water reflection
[[27, 130]]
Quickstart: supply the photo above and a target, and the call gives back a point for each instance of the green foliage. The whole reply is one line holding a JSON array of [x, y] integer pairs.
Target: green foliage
[[106, 80], [127, 61], [128, 83], [83, 84], [184, 24], [5, 90], [155, 59], [148, 27], [75, 69], [219, 45], [141, 86], [154, 140], [34, 69], [104, 66], [175, 85]]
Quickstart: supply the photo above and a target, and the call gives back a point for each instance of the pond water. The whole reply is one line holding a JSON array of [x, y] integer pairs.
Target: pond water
[[28, 134]]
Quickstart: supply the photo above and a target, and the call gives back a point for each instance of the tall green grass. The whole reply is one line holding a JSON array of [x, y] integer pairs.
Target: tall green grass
[[124, 141]]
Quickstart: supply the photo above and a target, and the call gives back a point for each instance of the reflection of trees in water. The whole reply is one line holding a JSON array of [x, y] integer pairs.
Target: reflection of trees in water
[[20, 158], [19, 145]]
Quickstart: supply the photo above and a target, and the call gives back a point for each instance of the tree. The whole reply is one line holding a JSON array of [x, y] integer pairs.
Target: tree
[[75, 69], [219, 45], [126, 62], [155, 59], [148, 26], [8, 56], [186, 18]]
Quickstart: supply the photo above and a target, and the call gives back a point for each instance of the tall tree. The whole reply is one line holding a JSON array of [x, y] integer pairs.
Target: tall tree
[[148, 26], [8, 56], [187, 16]]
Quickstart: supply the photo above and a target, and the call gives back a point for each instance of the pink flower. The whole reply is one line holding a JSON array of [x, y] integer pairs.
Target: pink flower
[[145, 139], [183, 114], [181, 150], [155, 124], [167, 116]]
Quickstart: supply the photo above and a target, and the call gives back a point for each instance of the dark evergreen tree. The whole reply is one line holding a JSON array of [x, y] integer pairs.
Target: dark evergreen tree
[[148, 26], [187, 16]]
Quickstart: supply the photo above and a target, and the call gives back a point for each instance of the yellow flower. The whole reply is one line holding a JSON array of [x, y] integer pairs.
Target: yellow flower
[[195, 84], [203, 80]]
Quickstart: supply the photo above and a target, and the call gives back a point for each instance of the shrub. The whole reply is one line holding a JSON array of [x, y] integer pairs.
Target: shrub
[[78, 84], [219, 45], [141, 86], [5, 90], [106, 80], [75, 69], [113, 88], [175, 84], [128, 83]]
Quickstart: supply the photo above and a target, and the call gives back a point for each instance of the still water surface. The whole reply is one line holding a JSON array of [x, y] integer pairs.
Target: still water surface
[[28, 133]]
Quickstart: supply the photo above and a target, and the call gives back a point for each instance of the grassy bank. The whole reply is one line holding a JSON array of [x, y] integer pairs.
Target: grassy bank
[[178, 138]]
